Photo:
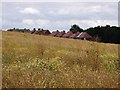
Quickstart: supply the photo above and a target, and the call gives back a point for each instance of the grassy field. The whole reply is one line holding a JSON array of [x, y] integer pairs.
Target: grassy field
[[0, 59], [34, 61]]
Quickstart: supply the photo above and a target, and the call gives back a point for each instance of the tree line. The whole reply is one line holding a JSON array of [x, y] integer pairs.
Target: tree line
[[106, 34]]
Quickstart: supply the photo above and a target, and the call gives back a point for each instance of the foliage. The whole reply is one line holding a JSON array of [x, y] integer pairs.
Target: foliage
[[34, 61], [105, 34], [75, 28]]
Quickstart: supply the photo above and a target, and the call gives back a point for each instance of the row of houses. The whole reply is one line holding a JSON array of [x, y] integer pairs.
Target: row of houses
[[69, 34], [19, 30], [63, 34]]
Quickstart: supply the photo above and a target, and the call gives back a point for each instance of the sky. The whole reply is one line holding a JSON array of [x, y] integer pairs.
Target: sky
[[58, 15]]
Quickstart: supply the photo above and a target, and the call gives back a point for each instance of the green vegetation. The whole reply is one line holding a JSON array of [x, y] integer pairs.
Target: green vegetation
[[50, 62], [106, 34], [75, 28]]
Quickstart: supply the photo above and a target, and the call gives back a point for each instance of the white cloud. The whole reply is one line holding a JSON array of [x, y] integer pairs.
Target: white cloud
[[93, 23], [59, 1], [59, 15], [30, 11], [63, 24], [91, 11], [60, 12], [28, 21], [96, 9], [63, 12], [35, 23], [42, 22]]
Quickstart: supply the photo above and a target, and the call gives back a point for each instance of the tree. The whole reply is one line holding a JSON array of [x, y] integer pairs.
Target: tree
[[34, 30], [106, 34], [75, 28]]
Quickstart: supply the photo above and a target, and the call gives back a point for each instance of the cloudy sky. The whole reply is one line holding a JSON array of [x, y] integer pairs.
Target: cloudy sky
[[58, 15]]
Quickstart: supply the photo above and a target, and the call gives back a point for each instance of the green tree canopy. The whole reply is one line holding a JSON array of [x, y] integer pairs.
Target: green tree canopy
[[75, 28]]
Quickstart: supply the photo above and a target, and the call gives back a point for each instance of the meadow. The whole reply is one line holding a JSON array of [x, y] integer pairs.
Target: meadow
[[36, 61]]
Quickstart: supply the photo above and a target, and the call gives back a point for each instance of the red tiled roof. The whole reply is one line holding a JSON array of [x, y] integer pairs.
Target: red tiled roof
[[54, 33], [60, 34], [68, 34], [75, 35], [84, 35], [45, 32], [38, 32], [42, 32]]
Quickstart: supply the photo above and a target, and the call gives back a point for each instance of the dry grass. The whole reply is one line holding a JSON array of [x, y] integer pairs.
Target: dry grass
[[0, 59], [49, 62]]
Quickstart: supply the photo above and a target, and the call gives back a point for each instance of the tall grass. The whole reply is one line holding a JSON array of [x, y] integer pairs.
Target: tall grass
[[0, 59], [51, 62]]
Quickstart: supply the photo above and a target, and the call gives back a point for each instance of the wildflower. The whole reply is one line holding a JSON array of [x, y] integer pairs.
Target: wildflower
[[80, 60], [92, 60], [86, 51], [96, 51]]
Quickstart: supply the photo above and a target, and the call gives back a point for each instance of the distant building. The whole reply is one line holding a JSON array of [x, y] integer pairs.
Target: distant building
[[60, 34], [75, 35], [42, 32], [67, 35], [39, 32], [45, 32], [54, 33], [19, 30], [84, 36]]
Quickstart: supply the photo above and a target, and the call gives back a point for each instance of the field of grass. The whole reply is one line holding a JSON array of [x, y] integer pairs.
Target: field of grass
[[0, 59], [34, 61]]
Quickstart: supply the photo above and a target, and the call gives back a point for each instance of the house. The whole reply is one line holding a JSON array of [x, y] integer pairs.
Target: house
[[67, 35], [42, 32], [19, 30], [60, 34], [75, 35], [39, 32], [78, 37], [45, 32], [33, 31], [84, 36], [54, 33]]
